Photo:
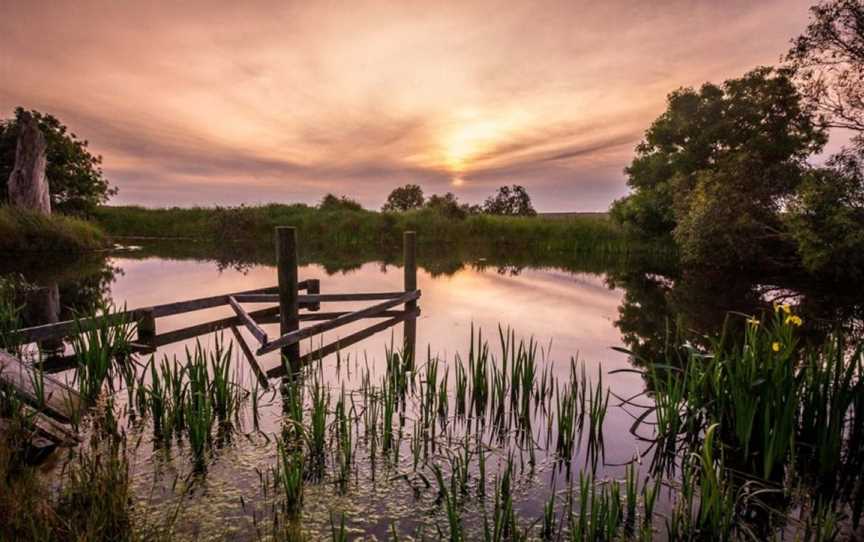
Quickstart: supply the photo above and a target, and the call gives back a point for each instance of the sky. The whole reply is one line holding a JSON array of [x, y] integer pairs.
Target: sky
[[225, 102]]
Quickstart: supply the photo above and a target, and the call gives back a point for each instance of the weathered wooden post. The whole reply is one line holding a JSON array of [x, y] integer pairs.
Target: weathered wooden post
[[286, 266], [409, 253]]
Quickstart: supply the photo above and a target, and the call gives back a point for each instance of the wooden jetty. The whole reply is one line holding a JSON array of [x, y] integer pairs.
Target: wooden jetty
[[286, 301]]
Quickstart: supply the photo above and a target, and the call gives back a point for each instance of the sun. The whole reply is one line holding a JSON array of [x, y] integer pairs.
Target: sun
[[468, 140]]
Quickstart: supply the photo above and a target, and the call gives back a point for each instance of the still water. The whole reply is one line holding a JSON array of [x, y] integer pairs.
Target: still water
[[576, 314]]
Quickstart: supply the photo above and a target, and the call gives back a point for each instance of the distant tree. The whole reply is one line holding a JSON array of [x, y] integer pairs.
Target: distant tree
[[826, 218], [447, 205], [715, 168], [404, 198], [74, 175], [510, 200], [828, 60], [341, 203]]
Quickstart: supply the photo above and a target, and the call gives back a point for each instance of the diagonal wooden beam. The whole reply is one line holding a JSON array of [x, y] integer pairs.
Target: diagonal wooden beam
[[344, 342], [250, 357], [247, 320], [300, 334]]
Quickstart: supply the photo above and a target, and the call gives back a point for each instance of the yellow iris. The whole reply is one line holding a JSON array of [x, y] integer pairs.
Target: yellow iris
[[775, 346], [784, 307], [753, 321], [794, 320]]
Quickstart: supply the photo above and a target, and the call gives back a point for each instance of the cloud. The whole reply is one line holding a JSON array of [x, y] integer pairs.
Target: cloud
[[219, 102]]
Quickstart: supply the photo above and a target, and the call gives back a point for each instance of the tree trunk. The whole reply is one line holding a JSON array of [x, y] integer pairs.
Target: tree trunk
[[28, 187]]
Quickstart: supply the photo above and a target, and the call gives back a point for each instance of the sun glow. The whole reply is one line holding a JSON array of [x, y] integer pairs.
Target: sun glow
[[471, 137]]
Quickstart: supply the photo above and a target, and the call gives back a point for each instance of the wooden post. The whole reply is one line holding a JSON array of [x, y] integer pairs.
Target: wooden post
[[313, 286], [409, 252], [286, 265], [146, 325]]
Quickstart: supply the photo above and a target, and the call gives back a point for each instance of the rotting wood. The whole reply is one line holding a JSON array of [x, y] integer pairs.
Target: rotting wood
[[250, 357], [344, 342], [294, 337], [60, 401], [247, 320]]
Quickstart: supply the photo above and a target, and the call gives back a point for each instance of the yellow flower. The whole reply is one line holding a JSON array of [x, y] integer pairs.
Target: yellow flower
[[753, 321], [794, 320], [775, 346]]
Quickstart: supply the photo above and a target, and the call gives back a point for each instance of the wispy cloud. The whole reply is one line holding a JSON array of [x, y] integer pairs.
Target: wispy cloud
[[229, 102]]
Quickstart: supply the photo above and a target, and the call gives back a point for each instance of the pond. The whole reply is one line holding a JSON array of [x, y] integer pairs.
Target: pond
[[581, 315]]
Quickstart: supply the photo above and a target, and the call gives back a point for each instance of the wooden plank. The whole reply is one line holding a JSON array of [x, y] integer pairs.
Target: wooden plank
[[313, 288], [66, 328], [247, 320], [269, 315], [51, 429], [250, 357], [310, 299], [59, 330], [61, 402], [344, 342], [197, 330], [318, 316], [294, 337]]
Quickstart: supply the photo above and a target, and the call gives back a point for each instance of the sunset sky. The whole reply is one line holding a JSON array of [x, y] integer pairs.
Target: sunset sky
[[250, 102]]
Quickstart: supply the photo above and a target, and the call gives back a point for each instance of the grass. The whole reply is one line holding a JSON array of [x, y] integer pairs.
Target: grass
[[362, 229], [28, 231]]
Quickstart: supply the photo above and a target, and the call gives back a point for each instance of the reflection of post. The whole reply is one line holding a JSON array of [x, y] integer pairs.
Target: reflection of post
[[44, 308], [409, 250], [286, 266], [146, 325]]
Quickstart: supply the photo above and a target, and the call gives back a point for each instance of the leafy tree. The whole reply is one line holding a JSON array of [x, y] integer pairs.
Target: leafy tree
[[448, 205], [717, 166], [74, 175], [829, 62], [341, 203], [509, 200], [826, 218], [404, 198]]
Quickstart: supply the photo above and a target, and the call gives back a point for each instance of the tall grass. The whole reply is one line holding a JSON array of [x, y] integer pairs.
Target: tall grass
[[27, 231]]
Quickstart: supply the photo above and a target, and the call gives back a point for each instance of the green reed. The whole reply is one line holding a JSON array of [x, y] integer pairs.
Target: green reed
[[288, 477], [99, 343]]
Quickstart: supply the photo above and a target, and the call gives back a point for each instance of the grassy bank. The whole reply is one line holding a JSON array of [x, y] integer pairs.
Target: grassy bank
[[26, 231], [365, 229]]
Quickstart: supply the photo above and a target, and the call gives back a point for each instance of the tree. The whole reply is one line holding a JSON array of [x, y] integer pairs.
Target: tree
[[826, 218], [404, 198], [447, 205], [74, 175], [828, 60], [341, 203], [509, 200], [718, 165]]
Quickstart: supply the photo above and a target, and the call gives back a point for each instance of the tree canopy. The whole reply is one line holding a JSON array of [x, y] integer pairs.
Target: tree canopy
[[331, 202], [717, 166], [828, 60], [404, 198], [74, 175], [509, 200]]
